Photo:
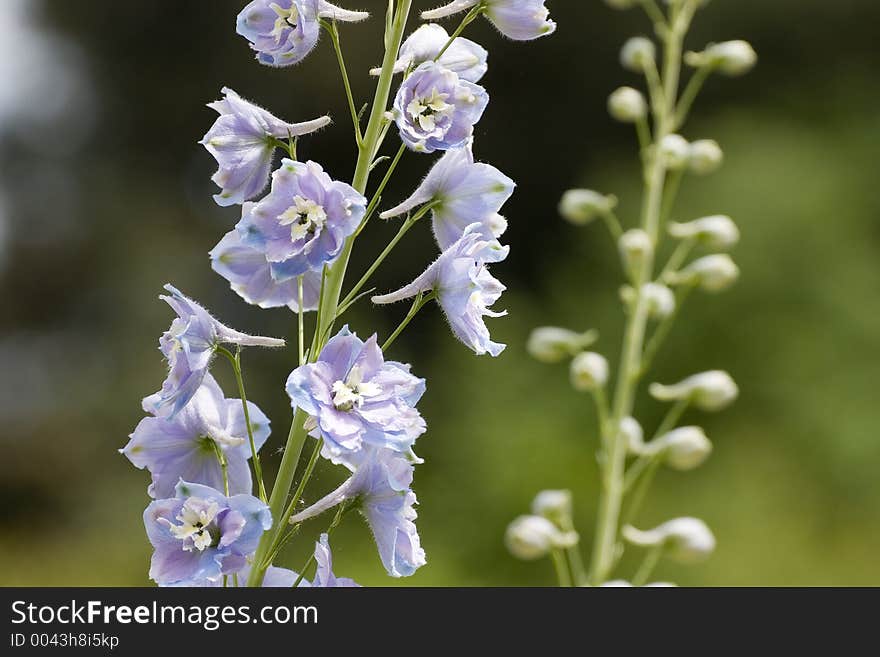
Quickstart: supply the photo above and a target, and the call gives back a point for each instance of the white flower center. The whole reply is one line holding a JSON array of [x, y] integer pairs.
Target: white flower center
[[304, 217], [287, 18], [426, 110], [195, 517], [351, 392]]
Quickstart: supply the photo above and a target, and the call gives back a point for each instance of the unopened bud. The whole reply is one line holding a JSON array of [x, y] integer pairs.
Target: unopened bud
[[684, 448], [675, 152], [706, 156], [632, 435], [627, 105], [709, 391], [555, 505], [636, 247], [638, 54], [533, 537], [589, 371], [712, 273], [550, 344], [729, 57], [581, 206], [684, 539], [717, 232], [659, 300]]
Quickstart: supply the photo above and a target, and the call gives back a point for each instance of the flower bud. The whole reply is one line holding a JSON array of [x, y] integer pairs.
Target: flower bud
[[635, 248], [632, 434], [659, 299], [709, 391], [627, 105], [581, 206], [532, 537], [685, 539], [732, 57], [729, 57], [638, 54], [589, 371], [706, 157], [684, 448], [555, 505], [712, 273], [716, 232], [675, 152], [550, 344]]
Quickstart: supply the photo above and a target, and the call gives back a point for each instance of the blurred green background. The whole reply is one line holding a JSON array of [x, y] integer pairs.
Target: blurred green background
[[105, 196]]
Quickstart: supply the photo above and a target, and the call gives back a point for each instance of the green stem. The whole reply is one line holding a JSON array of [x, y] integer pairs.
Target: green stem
[[613, 225], [562, 574], [300, 326], [377, 195], [662, 331], [690, 93], [224, 466], [332, 284], [648, 565], [417, 305], [611, 495], [469, 18], [235, 361], [343, 508], [333, 31], [654, 12], [408, 223]]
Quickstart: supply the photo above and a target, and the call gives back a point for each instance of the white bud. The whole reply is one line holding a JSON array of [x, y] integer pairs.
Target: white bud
[[581, 206], [729, 57], [621, 4], [498, 225], [712, 273], [550, 344], [709, 391], [684, 448], [675, 152], [635, 247], [627, 105], [589, 371], [732, 57], [555, 505], [638, 54], [717, 232], [659, 300], [632, 434], [706, 156], [532, 537], [685, 539]]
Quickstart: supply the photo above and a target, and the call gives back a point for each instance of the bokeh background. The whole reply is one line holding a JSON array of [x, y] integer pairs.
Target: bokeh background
[[105, 196]]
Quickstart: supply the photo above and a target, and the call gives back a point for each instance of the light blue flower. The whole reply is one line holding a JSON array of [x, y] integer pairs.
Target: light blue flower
[[463, 192], [199, 535], [464, 288], [436, 110], [521, 20], [304, 220], [380, 487], [284, 32], [189, 346], [185, 446], [250, 275], [465, 57], [354, 399], [241, 140], [324, 577]]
